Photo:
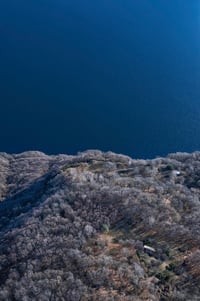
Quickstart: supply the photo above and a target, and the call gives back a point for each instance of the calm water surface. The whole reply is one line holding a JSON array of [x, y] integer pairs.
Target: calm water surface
[[120, 75]]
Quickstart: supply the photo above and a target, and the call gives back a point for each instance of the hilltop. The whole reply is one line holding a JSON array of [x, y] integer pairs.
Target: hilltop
[[99, 226]]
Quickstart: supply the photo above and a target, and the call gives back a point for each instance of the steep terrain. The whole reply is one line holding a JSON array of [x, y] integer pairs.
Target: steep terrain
[[99, 226]]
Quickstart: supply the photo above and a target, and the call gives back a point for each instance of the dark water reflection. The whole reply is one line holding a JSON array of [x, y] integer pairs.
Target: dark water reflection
[[113, 75]]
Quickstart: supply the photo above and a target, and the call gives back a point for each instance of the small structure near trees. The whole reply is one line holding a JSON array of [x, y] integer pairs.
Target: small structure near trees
[[149, 250]]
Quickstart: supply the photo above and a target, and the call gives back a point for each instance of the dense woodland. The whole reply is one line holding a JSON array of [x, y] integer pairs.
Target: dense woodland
[[99, 226]]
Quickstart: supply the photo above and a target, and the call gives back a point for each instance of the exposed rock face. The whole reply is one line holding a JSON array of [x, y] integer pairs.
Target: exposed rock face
[[99, 226]]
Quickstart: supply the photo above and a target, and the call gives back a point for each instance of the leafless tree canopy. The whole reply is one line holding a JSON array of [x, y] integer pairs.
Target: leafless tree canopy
[[99, 226]]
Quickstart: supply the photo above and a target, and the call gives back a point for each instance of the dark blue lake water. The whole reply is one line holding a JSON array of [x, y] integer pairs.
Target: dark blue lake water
[[120, 75]]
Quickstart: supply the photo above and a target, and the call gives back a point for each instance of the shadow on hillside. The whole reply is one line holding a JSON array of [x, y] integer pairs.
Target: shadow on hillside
[[23, 201]]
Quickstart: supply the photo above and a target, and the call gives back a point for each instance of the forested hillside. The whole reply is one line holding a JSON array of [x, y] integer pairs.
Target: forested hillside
[[99, 226]]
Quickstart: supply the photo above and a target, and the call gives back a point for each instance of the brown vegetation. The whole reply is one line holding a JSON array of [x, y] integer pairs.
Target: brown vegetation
[[99, 226]]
